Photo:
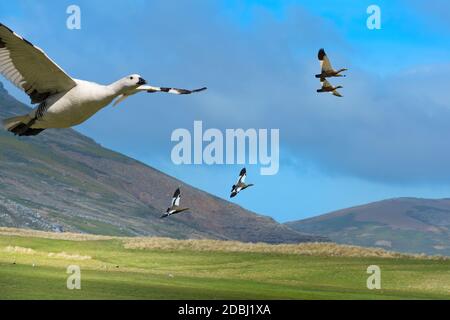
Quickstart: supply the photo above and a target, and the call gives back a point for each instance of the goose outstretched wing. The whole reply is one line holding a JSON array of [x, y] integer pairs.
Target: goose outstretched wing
[[151, 89], [176, 198], [242, 176], [29, 68], [325, 63]]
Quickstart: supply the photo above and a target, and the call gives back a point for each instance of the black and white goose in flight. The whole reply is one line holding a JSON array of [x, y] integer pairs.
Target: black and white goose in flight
[[175, 205], [62, 101], [240, 184], [327, 70], [327, 87]]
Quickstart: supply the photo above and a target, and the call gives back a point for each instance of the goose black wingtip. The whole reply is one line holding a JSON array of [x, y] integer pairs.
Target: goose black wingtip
[[200, 90]]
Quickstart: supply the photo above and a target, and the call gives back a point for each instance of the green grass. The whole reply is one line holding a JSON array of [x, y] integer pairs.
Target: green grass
[[188, 274]]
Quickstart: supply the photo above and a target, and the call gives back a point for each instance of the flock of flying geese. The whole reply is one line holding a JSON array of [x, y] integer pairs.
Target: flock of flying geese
[[64, 102], [235, 189], [328, 72]]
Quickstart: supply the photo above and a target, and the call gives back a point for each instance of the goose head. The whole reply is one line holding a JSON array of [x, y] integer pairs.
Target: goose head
[[131, 82]]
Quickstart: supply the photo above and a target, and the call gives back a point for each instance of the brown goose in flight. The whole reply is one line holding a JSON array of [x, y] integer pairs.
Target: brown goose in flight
[[327, 70], [327, 87]]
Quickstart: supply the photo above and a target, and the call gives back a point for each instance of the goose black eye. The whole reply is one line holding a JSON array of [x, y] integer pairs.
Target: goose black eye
[[131, 78]]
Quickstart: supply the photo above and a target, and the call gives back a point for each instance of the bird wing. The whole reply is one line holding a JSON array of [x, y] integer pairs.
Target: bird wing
[[29, 68], [151, 89], [324, 61], [336, 93], [173, 90], [242, 176], [326, 84], [176, 198]]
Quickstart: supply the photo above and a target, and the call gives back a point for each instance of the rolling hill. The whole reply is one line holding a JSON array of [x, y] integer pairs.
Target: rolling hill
[[402, 224], [64, 181]]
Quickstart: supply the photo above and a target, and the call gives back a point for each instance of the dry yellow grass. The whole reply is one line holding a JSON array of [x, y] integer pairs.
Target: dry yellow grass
[[67, 256], [157, 243], [311, 249], [61, 255], [51, 235], [20, 250]]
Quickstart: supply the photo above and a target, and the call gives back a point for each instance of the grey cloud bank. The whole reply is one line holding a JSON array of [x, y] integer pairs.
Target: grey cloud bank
[[392, 129]]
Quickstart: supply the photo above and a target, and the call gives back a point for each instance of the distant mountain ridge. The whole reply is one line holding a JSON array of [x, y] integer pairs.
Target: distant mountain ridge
[[403, 224], [64, 181]]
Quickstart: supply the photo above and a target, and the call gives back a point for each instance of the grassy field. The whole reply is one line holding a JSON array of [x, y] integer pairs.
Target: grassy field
[[33, 266]]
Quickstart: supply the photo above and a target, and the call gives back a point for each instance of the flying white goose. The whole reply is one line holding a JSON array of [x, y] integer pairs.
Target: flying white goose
[[175, 205], [240, 184], [62, 101], [327, 69], [327, 87]]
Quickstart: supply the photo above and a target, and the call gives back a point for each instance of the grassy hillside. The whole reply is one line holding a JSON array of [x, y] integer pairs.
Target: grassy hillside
[[145, 268], [404, 224]]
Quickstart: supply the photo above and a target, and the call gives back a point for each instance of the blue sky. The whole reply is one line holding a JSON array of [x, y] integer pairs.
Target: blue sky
[[388, 137]]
